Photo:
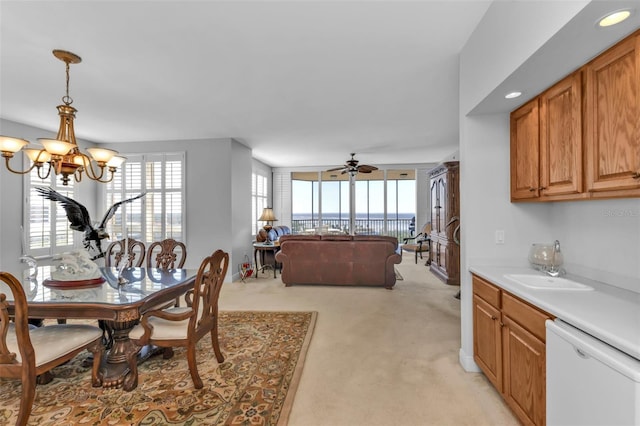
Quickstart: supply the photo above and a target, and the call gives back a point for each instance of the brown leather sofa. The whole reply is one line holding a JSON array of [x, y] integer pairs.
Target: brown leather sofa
[[338, 259]]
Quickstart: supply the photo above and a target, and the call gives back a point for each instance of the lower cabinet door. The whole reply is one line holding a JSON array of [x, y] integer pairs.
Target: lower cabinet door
[[524, 373], [487, 340]]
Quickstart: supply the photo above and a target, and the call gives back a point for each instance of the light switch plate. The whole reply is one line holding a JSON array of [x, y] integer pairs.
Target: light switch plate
[[500, 236]]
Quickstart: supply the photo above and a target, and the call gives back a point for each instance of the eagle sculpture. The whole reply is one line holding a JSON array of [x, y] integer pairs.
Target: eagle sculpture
[[81, 221]]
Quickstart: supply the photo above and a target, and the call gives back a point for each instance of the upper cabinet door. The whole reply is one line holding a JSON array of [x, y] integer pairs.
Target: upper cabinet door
[[613, 119], [561, 138], [525, 155]]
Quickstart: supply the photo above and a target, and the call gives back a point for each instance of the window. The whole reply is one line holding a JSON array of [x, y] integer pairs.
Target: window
[[46, 225], [305, 209], [335, 201], [259, 197], [384, 201], [160, 214]]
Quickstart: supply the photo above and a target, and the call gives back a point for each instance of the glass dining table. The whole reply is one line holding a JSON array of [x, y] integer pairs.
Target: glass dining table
[[120, 306]]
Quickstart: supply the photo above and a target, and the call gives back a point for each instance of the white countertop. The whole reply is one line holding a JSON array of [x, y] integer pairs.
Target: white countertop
[[608, 313]]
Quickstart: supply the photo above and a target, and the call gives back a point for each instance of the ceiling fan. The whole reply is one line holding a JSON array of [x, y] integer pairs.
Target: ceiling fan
[[351, 166]]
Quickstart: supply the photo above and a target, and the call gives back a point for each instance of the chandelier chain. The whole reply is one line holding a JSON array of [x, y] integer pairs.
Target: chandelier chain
[[67, 99]]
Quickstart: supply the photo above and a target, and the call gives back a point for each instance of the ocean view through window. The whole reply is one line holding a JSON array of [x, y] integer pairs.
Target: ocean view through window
[[384, 202]]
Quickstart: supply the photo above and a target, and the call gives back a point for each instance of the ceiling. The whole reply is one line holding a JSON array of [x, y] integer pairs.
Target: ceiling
[[301, 83]]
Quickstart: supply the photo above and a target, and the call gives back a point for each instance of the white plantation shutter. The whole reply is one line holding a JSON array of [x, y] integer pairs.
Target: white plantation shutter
[[259, 199], [46, 227], [160, 214], [282, 197]]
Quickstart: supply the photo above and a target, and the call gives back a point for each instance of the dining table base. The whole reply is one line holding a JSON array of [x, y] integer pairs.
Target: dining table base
[[115, 367]]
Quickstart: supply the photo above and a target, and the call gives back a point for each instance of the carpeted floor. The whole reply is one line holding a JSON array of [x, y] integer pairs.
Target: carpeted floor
[[380, 357], [264, 353]]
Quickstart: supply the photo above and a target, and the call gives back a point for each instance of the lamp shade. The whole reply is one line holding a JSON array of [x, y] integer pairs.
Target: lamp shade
[[38, 155], [101, 155], [56, 147], [267, 215], [8, 144], [116, 161]]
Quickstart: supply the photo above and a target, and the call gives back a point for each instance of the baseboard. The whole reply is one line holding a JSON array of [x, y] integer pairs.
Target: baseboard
[[467, 362]]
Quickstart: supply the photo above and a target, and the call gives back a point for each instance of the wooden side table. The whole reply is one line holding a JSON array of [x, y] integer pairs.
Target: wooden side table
[[267, 256]]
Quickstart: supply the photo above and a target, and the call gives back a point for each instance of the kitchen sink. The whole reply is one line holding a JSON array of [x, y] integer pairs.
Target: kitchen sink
[[542, 282]]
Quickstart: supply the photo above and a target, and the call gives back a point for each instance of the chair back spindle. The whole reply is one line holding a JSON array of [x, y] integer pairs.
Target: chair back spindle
[[115, 251], [166, 254]]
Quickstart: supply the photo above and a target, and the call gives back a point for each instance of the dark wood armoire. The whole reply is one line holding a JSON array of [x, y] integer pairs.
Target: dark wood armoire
[[445, 222]]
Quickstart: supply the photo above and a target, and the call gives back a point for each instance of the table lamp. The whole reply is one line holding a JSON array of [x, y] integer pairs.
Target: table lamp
[[268, 217]]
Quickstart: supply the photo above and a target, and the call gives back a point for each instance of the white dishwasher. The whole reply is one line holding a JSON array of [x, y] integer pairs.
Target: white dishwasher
[[588, 381]]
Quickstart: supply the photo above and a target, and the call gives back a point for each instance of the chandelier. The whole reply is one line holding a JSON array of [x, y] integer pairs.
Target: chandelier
[[62, 154]]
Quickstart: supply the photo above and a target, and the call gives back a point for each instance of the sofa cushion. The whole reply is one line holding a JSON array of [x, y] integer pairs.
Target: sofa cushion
[[274, 233], [278, 231]]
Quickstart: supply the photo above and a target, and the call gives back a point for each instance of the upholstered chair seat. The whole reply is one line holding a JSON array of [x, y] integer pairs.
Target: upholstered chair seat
[[53, 340], [165, 329]]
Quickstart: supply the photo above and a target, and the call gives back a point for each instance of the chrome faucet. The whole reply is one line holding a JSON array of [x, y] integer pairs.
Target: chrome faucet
[[556, 260]]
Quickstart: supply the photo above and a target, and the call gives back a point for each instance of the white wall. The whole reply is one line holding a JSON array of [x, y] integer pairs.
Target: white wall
[[600, 239], [241, 233]]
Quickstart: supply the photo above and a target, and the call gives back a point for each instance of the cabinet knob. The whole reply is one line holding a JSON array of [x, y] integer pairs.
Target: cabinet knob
[[531, 189], [636, 175], [542, 188]]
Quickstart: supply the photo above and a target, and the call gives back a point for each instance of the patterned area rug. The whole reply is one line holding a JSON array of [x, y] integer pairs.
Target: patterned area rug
[[264, 353]]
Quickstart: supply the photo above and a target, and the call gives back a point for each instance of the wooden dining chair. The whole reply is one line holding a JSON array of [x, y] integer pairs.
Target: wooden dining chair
[[115, 250], [25, 353], [185, 326], [166, 254]]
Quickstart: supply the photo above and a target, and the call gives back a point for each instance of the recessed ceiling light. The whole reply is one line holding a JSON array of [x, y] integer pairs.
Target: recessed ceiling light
[[512, 95], [614, 18]]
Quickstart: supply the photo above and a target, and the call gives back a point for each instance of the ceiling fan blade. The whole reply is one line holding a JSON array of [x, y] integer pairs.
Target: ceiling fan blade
[[335, 169], [365, 168]]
